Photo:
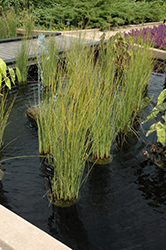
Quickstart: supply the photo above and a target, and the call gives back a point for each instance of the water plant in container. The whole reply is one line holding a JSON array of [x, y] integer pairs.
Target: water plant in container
[[47, 61], [158, 148], [65, 123], [124, 84], [133, 86], [122, 51], [104, 128], [79, 114], [22, 62]]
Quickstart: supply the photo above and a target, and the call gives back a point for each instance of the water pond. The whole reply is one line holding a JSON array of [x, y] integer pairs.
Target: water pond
[[122, 205]]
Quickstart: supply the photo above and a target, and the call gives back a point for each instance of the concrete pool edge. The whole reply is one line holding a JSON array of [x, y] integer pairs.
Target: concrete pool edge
[[18, 234]]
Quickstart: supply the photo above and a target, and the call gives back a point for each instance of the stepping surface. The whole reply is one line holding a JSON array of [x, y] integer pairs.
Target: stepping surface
[[8, 50], [18, 234]]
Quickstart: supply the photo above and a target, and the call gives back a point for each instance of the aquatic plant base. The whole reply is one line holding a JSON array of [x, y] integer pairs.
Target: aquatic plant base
[[103, 161], [61, 203], [33, 113]]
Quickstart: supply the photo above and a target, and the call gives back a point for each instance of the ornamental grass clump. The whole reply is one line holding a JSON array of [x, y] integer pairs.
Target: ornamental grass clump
[[104, 127], [28, 24], [22, 61], [66, 124], [48, 60], [8, 24], [80, 116], [62, 131], [133, 85]]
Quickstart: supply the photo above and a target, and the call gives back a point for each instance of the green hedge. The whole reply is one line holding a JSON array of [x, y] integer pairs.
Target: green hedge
[[83, 14]]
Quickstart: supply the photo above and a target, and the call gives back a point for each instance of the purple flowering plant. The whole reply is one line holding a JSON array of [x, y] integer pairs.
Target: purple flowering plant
[[156, 36]]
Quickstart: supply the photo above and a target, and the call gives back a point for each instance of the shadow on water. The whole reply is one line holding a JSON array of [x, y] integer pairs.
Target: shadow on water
[[65, 224], [3, 198]]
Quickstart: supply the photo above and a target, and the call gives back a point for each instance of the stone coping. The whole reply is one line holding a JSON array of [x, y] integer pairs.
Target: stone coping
[[159, 54], [18, 234], [21, 32], [19, 38], [95, 34], [118, 28]]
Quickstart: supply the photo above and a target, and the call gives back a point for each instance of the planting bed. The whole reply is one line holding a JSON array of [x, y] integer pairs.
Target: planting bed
[[122, 204]]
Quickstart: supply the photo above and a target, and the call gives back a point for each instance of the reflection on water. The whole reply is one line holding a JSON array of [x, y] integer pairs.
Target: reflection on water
[[151, 182], [122, 205], [65, 224], [3, 199]]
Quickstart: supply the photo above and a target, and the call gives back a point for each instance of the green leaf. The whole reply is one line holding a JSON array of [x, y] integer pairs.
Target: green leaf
[[144, 102], [161, 97], [12, 75], [155, 111], [18, 74], [8, 83], [0, 80], [151, 129], [161, 133], [2, 67]]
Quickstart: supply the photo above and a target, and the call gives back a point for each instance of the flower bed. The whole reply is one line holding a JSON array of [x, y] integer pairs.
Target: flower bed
[[156, 35]]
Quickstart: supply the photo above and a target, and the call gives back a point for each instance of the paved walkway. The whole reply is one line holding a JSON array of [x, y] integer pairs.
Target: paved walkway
[[96, 34], [8, 50]]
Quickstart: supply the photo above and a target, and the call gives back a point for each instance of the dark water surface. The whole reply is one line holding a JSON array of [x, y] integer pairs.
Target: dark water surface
[[122, 205]]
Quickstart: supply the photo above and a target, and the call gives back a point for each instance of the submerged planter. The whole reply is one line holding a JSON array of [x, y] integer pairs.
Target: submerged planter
[[33, 114], [49, 174], [60, 203], [48, 171], [99, 161]]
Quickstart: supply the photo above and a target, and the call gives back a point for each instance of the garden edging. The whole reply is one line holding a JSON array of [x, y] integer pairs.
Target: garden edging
[[18, 234]]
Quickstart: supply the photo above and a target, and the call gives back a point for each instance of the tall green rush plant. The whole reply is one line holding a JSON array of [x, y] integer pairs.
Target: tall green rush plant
[[105, 126], [48, 61], [8, 24], [67, 113], [22, 56], [133, 86], [28, 24]]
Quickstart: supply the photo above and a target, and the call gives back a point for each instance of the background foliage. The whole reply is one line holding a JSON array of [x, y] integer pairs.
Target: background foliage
[[101, 14]]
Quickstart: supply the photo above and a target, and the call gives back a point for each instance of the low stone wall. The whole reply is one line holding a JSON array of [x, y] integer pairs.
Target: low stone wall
[[18, 234]]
